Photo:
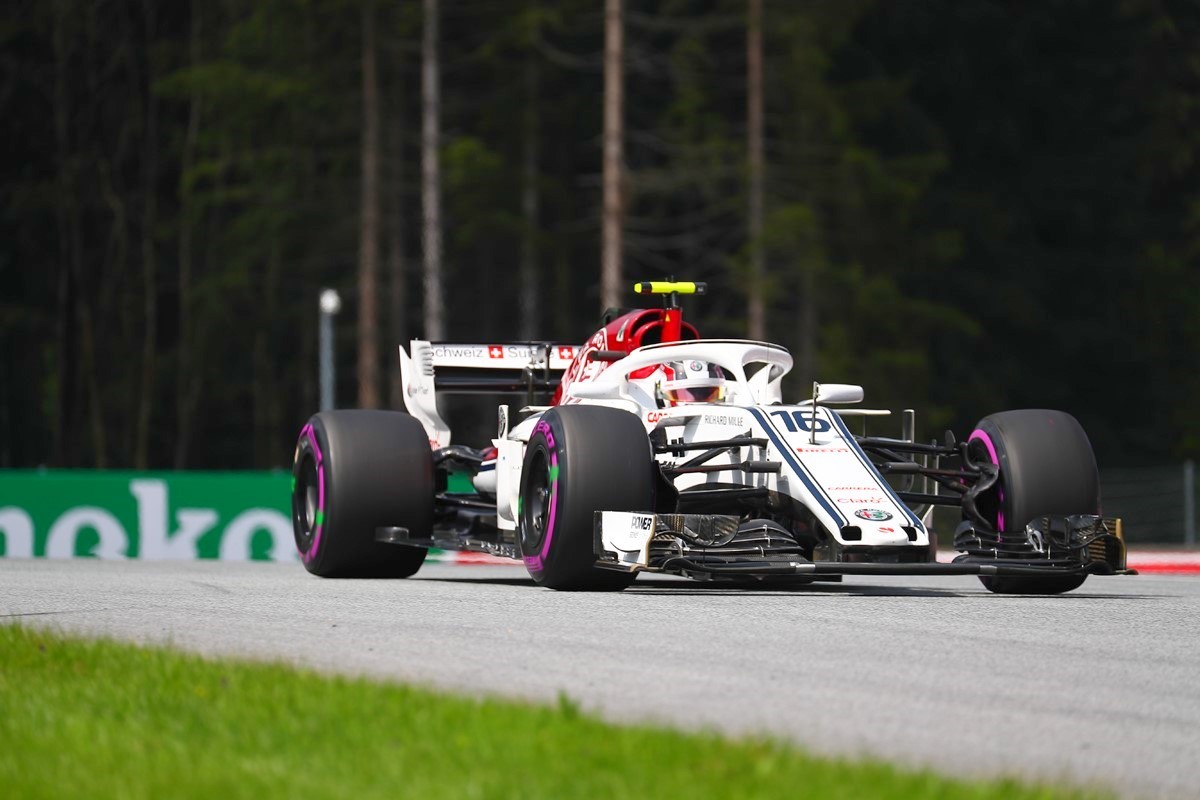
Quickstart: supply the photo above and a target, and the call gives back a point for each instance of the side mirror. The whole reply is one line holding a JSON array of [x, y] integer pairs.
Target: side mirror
[[830, 393]]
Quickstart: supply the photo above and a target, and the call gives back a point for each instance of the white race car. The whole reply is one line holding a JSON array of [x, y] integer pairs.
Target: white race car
[[659, 451]]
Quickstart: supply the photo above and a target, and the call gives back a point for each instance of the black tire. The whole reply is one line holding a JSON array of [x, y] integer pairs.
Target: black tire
[[580, 459], [1046, 467], [355, 471]]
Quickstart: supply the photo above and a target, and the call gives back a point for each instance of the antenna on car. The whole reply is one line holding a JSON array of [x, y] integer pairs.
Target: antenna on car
[[812, 428]]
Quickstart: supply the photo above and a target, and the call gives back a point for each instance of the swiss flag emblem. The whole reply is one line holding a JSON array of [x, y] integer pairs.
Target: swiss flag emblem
[[566, 352], [495, 351]]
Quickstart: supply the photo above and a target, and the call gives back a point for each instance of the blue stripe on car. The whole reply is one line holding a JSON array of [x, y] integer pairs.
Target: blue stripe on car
[[797, 467]]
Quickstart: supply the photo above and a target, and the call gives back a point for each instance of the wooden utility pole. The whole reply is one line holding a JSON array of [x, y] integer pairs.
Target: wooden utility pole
[[610, 242], [431, 191], [754, 132], [368, 245]]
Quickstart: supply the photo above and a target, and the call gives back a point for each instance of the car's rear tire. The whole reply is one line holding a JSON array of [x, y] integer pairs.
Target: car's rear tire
[[579, 460], [1047, 467], [355, 471]]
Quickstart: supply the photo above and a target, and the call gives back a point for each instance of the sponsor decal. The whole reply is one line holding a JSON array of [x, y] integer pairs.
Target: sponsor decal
[[819, 449], [544, 429], [853, 488], [450, 353], [445, 351], [858, 501], [696, 366], [626, 533], [724, 419], [655, 416], [887, 530], [873, 514], [905, 512]]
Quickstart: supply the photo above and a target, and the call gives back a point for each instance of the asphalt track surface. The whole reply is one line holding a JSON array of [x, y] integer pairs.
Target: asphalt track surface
[[1098, 687]]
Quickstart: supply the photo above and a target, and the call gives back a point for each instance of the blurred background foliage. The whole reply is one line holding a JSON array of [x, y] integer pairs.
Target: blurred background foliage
[[971, 205]]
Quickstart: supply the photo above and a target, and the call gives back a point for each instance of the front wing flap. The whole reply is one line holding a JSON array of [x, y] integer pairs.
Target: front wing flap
[[696, 545]]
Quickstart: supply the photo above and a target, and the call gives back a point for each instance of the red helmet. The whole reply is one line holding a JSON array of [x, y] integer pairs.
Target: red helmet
[[690, 381]]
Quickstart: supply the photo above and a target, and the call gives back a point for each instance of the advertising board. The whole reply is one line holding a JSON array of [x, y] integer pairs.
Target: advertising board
[[231, 516]]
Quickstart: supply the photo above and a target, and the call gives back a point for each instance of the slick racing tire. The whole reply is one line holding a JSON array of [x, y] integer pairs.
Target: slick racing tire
[[580, 459], [1046, 467], [355, 471]]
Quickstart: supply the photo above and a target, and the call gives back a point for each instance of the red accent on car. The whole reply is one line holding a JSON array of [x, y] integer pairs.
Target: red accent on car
[[672, 324], [627, 333]]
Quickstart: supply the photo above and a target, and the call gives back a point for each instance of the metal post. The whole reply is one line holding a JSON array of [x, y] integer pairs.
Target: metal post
[[330, 304], [1189, 503]]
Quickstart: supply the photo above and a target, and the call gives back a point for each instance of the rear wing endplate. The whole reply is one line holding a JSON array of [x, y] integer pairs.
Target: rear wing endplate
[[529, 368]]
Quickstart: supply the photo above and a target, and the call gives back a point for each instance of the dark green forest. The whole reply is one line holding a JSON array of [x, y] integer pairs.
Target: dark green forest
[[968, 206]]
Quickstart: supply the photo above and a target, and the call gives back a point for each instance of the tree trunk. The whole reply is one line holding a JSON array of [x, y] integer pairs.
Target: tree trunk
[[368, 246], [610, 242], [88, 346], [754, 130], [65, 409], [149, 259], [186, 364], [431, 189], [276, 450], [529, 203], [397, 263]]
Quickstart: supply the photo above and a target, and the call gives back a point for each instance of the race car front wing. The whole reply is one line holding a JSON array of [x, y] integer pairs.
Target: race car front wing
[[708, 546]]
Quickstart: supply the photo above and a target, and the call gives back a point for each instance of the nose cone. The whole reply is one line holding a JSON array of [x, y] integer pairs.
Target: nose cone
[[884, 534]]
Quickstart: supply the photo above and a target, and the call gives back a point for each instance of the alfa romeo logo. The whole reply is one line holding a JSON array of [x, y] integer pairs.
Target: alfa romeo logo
[[873, 514]]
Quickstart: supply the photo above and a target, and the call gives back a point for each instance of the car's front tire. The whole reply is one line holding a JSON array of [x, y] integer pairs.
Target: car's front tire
[[355, 471], [579, 460], [1047, 467]]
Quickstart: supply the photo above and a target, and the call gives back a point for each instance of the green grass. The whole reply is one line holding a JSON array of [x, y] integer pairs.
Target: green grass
[[83, 719]]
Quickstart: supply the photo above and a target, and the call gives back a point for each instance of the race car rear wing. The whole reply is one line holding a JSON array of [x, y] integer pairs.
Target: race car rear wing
[[529, 368]]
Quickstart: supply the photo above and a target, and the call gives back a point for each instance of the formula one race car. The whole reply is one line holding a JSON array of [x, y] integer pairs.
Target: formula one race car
[[660, 451]]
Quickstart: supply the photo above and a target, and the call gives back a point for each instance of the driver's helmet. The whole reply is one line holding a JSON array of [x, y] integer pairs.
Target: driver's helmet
[[690, 381]]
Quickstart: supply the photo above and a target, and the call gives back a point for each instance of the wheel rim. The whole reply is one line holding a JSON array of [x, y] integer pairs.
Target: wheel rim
[[535, 504], [305, 502], [990, 505]]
